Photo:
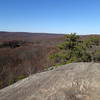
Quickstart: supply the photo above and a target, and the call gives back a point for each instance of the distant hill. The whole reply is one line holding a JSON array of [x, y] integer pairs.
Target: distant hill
[[76, 81], [27, 36]]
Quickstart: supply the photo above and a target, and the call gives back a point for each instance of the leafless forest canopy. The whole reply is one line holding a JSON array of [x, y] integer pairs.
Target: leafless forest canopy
[[22, 54]]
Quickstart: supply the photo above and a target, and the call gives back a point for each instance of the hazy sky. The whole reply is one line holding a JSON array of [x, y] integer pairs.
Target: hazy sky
[[60, 16]]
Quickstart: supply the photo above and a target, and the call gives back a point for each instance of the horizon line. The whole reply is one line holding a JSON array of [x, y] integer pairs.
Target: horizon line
[[78, 33]]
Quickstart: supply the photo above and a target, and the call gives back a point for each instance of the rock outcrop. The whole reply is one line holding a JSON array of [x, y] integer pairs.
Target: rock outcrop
[[76, 81]]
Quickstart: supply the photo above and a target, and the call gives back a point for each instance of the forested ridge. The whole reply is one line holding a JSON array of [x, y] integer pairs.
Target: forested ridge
[[24, 54]]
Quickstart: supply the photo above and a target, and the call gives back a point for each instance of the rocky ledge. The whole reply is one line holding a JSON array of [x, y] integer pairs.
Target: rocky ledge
[[76, 81]]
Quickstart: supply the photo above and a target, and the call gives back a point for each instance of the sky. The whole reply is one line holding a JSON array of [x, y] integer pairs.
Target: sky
[[52, 16]]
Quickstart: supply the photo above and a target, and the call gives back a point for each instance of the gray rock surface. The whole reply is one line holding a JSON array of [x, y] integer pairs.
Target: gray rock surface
[[76, 81]]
